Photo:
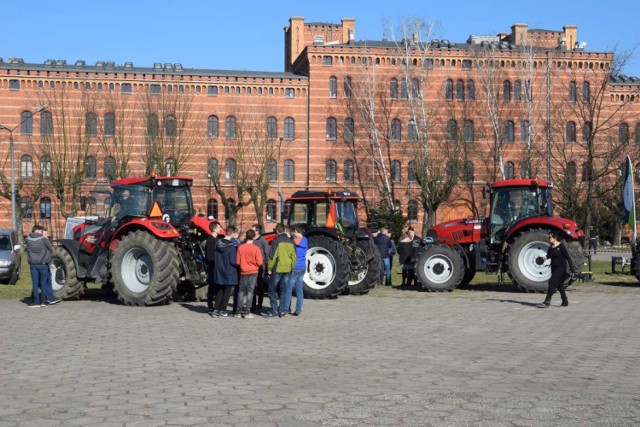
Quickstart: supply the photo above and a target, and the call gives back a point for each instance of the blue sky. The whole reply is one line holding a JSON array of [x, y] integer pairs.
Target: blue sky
[[248, 35]]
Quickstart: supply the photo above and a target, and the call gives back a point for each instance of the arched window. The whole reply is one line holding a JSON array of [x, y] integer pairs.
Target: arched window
[[396, 171], [91, 124], [333, 87], [570, 172], [26, 207], [509, 170], [528, 94], [471, 90], [348, 129], [45, 167], [623, 133], [460, 90], [289, 129], [332, 128], [415, 88], [152, 125], [396, 130], [404, 91], [468, 131], [271, 210], [272, 170], [212, 209], [109, 168], [393, 88], [467, 172], [586, 92], [212, 127], [348, 171], [26, 123], [506, 91], [230, 127], [289, 171], [586, 131], [451, 133], [508, 131], [230, 169], [412, 211], [170, 166], [171, 127], [331, 170], [571, 132], [517, 91], [46, 123], [411, 171], [90, 167], [524, 131], [525, 170], [26, 167], [412, 130], [109, 124], [212, 168], [451, 170], [572, 92], [348, 88], [448, 90], [272, 129], [45, 208]]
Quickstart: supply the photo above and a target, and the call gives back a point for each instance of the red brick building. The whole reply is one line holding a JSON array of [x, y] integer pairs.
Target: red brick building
[[344, 114]]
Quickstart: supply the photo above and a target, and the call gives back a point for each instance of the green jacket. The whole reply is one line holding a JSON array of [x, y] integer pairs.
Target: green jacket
[[282, 255]]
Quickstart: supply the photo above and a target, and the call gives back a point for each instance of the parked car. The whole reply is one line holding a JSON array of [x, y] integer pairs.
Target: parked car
[[10, 259]]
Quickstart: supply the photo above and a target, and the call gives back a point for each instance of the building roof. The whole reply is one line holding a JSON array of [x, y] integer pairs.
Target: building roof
[[128, 67]]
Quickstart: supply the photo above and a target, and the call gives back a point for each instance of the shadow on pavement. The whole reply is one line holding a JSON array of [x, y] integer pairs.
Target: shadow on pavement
[[195, 308], [492, 287], [525, 303], [622, 284]]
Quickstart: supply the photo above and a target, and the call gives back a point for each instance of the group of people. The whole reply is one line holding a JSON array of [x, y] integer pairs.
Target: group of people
[[406, 250], [39, 252], [245, 269]]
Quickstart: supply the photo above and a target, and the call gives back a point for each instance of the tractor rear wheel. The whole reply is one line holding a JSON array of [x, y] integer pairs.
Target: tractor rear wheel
[[368, 277], [440, 268], [64, 279], [327, 272], [527, 266], [145, 270]]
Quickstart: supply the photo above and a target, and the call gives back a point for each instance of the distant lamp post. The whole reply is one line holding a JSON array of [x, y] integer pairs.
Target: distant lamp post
[[278, 169], [14, 218]]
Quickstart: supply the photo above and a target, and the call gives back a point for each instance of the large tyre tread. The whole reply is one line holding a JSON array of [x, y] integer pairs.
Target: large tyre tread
[[445, 253], [341, 280], [374, 268], [73, 288]]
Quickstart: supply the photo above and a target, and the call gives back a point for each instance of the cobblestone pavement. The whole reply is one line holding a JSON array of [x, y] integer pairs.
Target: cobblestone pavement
[[471, 357]]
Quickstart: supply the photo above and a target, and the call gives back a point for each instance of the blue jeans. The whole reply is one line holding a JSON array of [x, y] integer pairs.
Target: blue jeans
[[41, 280], [278, 282], [296, 279], [387, 269]]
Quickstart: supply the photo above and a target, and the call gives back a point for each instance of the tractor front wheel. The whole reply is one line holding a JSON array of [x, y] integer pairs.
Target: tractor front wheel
[[145, 270], [327, 273], [440, 268]]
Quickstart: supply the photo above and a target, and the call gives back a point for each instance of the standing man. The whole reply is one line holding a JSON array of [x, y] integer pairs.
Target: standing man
[[383, 242], [297, 275], [249, 260], [210, 256], [282, 259], [39, 251], [226, 271], [261, 283]]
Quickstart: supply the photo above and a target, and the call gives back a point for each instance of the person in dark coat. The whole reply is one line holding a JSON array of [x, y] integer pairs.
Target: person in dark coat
[[383, 242], [210, 258], [258, 296], [406, 257], [226, 273], [560, 258]]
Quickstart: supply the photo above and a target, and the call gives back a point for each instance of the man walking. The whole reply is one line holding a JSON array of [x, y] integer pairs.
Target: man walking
[[249, 260], [39, 251], [297, 275], [282, 258]]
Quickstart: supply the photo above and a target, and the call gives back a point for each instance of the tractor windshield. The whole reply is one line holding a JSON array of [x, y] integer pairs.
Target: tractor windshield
[[176, 203], [511, 204], [347, 217], [130, 200]]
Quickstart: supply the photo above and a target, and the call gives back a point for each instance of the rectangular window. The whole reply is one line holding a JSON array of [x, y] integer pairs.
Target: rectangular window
[[327, 60], [290, 92], [14, 84], [125, 88], [212, 90], [154, 89], [466, 64]]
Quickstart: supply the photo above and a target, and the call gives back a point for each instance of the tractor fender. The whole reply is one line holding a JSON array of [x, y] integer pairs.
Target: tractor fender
[[73, 248], [362, 234], [566, 227], [160, 229], [330, 232]]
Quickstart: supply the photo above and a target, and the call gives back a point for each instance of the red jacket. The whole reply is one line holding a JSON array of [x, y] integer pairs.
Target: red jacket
[[249, 258]]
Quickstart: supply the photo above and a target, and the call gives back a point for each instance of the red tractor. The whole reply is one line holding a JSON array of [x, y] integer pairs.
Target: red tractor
[[341, 257], [145, 244], [513, 239]]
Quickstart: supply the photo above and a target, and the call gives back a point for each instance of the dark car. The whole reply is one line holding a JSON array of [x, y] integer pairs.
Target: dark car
[[10, 259]]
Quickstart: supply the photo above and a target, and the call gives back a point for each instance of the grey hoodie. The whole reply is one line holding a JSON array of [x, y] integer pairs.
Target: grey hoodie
[[39, 249]]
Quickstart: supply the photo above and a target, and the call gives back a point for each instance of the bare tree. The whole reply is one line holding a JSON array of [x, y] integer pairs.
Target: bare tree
[[114, 134]]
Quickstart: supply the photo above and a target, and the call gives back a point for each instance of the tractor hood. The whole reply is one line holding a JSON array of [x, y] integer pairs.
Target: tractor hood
[[467, 230]]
